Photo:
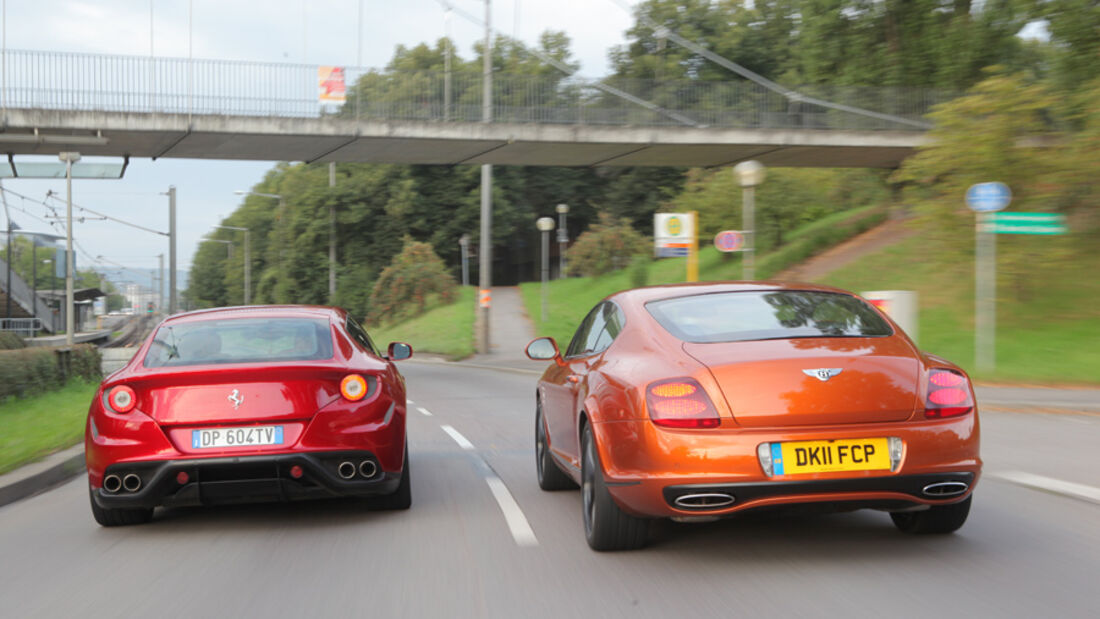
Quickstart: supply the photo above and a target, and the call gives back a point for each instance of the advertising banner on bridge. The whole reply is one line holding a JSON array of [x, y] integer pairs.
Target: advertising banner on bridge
[[331, 87]]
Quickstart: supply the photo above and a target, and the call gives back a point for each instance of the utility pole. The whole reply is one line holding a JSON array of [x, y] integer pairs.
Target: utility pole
[[485, 275], [160, 295], [332, 238], [70, 323], [7, 214], [172, 304]]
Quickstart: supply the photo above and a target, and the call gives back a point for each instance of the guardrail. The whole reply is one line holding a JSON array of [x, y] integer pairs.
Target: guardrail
[[142, 84], [24, 327]]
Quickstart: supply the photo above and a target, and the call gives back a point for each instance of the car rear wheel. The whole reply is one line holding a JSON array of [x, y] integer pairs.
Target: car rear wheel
[[937, 519], [549, 475], [109, 517], [606, 527], [402, 497]]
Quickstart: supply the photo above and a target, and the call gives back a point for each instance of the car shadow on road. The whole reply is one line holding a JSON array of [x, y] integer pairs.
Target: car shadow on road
[[785, 536]]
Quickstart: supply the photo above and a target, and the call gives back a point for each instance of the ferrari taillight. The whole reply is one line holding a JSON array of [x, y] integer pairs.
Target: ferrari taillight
[[353, 387], [948, 395], [680, 403], [121, 399]]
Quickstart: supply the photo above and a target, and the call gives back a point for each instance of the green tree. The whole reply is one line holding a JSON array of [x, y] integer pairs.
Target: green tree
[[403, 288], [608, 245]]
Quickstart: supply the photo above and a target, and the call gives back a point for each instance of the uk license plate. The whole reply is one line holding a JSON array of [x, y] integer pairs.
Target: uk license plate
[[207, 438], [865, 454]]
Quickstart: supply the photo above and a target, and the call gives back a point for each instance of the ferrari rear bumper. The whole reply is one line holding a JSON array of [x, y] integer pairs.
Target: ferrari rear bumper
[[246, 479]]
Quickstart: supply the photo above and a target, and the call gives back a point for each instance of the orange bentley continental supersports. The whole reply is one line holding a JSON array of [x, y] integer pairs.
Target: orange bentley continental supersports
[[702, 400]]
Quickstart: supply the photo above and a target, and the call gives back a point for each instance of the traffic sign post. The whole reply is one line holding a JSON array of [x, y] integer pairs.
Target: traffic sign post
[[985, 199]]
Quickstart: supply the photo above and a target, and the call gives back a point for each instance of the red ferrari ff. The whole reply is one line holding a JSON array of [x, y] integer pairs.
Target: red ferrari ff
[[249, 404], [703, 400]]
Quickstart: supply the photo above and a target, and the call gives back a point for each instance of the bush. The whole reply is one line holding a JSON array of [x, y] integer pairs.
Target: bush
[[10, 341], [608, 245], [29, 371], [403, 288]]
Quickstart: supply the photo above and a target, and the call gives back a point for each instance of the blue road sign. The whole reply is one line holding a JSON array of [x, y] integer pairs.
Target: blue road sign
[[987, 197]]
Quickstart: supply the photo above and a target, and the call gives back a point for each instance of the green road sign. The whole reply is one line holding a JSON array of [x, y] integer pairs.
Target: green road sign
[[1028, 223]]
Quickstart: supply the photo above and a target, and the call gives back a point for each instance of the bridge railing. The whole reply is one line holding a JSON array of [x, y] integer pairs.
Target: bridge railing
[[141, 84]]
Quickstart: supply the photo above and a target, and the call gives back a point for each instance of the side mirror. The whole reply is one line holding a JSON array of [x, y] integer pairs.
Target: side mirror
[[544, 349], [399, 351]]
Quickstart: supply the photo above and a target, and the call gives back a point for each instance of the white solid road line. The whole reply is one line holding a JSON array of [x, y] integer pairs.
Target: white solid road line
[[513, 515], [1049, 484], [461, 440], [425, 411]]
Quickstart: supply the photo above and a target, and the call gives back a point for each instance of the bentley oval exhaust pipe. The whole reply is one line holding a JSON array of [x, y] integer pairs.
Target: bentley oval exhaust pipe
[[367, 468], [112, 483], [945, 489], [706, 500], [131, 482], [346, 470]]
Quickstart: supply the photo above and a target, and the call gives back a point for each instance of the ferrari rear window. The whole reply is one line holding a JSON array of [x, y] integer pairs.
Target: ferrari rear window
[[240, 340], [753, 315]]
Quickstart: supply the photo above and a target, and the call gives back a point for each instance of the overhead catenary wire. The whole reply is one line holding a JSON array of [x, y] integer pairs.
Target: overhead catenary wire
[[53, 196], [791, 95], [571, 72]]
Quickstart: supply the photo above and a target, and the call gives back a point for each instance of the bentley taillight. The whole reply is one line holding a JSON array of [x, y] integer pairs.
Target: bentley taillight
[[948, 395], [121, 399], [680, 403]]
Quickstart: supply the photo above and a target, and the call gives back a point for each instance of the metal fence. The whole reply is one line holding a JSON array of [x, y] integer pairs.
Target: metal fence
[[142, 84], [25, 327]]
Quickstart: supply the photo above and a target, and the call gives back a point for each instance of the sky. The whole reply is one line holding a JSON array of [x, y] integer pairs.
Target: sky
[[321, 32]]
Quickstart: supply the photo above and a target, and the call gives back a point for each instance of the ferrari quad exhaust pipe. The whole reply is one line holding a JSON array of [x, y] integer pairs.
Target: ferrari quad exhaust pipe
[[706, 500], [346, 470], [112, 483], [945, 489], [367, 468], [131, 482]]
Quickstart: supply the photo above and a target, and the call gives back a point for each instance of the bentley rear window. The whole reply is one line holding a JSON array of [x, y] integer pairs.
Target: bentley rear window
[[240, 340], [783, 314]]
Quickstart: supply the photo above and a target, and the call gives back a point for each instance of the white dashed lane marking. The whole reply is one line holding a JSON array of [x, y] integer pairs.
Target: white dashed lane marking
[[513, 515], [1050, 484], [424, 411], [457, 436]]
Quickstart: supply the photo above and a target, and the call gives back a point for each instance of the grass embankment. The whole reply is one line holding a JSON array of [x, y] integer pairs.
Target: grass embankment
[[37, 426], [1049, 338], [443, 330], [570, 299]]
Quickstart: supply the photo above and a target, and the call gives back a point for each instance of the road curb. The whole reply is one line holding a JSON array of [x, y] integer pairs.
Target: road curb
[[41, 476]]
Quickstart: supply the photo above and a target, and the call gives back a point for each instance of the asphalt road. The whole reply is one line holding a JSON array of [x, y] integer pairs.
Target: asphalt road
[[459, 553]]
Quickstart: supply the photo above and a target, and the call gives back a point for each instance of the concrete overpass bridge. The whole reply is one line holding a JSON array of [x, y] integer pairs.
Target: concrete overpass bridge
[[206, 109]]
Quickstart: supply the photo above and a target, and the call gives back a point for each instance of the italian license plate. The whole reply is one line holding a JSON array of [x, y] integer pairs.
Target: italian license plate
[[866, 454], [207, 438]]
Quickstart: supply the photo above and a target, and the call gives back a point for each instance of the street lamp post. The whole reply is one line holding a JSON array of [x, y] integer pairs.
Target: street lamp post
[[545, 225], [749, 174], [464, 243], [563, 238], [69, 158], [247, 264]]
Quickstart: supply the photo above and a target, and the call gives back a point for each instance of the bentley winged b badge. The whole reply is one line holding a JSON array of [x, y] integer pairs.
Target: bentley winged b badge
[[822, 374]]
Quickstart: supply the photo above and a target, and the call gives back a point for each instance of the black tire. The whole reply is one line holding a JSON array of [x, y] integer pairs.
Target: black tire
[[108, 517], [549, 475], [606, 527], [402, 497], [936, 520]]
